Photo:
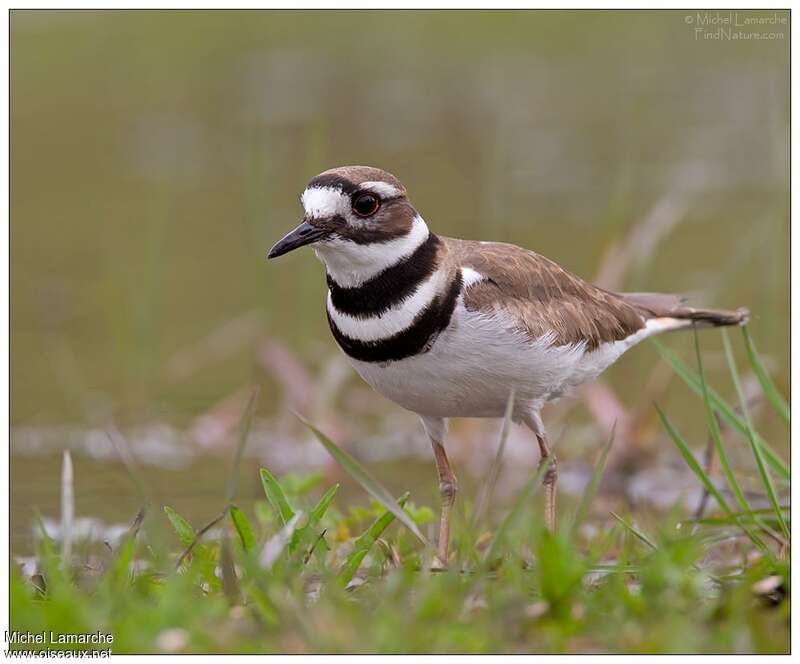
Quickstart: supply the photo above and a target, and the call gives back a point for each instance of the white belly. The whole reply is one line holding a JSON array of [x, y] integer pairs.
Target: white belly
[[477, 360]]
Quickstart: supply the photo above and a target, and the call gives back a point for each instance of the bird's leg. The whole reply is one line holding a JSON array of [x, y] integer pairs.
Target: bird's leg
[[435, 429], [447, 490], [548, 481], [533, 421]]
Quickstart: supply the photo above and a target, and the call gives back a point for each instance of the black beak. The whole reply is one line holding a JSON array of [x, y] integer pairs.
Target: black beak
[[304, 234]]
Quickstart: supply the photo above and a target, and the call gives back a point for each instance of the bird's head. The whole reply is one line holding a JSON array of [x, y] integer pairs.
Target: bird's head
[[358, 220]]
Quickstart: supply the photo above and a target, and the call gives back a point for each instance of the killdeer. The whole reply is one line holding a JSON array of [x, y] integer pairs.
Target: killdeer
[[448, 328]]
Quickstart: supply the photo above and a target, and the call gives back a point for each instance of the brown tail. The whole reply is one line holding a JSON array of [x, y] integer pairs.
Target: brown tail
[[663, 305]]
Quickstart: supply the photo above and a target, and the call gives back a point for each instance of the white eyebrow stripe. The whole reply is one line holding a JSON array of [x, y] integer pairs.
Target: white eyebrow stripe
[[383, 189], [394, 320], [321, 202]]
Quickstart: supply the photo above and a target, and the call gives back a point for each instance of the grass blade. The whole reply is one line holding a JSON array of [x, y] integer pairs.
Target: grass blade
[[321, 507], [67, 508], [276, 496], [687, 455], [364, 543], [363, 477], [200, 533], [314, 517], [718, 403], [638, 534], [644, 538], [763, 471], [770, 391], [751, 514], [182, 527], [51, 573], [494, 471], [244, 430], [767, 512], [136, 524], [230, 582], [523, 499], [243, 528], [701, 474], [275, 545], [310, 552], [716, 436], [125, 453], [591, 488]]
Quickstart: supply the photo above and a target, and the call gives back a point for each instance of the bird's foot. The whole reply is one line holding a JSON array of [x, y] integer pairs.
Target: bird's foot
[[437, 565]]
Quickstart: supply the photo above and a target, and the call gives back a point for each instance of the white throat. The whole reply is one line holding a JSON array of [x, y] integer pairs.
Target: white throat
[[351, 264]]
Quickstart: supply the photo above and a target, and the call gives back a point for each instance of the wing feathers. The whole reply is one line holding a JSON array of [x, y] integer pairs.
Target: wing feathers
[[542, 297]]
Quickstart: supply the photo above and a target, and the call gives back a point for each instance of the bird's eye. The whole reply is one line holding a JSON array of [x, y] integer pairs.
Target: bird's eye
[[366, 205]]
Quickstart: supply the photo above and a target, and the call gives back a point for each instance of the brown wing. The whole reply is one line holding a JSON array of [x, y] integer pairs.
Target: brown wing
[[542, 296]]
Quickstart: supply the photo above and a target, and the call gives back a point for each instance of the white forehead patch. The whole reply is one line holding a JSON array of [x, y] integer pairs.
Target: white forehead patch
[[383, 189], [321, 202]]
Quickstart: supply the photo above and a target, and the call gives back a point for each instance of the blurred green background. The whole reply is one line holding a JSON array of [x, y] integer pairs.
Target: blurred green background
[[157, 155]]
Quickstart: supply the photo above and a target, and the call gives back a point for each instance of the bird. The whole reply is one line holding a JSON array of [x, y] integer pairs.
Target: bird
[[449, 328]]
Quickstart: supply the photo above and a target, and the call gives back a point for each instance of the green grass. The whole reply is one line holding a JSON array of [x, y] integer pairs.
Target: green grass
[[306, 573]]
